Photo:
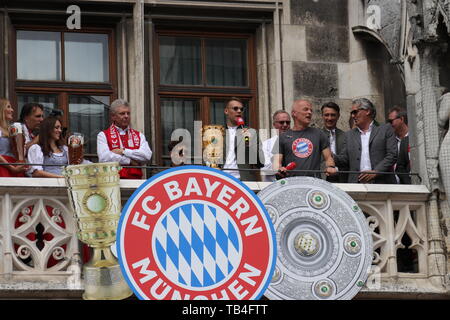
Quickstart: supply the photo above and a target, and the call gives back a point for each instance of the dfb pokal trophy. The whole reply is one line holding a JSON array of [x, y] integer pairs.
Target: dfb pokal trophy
[[94, 193], [212, 145]]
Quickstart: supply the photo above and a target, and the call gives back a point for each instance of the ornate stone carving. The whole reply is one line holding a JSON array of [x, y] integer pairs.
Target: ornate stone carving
[[444, 152]]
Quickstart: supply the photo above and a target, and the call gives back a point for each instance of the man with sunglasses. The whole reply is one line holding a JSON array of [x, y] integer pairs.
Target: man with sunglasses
[[369, 148], [398, 119], [242, 147], [281, 121], [330, 116], [303, 145]]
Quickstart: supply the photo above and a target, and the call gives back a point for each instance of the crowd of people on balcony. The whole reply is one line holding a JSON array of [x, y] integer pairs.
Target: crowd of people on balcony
[[367, 153]]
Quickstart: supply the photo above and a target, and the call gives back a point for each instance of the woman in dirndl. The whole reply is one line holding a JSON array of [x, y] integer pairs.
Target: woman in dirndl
[[7, 168], [50, 154]]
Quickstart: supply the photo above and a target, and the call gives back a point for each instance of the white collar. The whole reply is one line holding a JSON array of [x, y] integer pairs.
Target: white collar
[[370, 127], [122, 131]]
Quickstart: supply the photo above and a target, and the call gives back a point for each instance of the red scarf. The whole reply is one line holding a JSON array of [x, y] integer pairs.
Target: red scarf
[[131, 140]]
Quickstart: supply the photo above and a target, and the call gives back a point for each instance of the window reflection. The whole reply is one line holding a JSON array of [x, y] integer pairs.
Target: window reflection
[[176, 114], [49, 101], [86, 57], [226, 62], [38, 55], [180, 62], [89, 115]]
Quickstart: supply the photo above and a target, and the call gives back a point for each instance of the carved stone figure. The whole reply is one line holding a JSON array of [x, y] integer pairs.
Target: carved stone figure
[[444, 152]]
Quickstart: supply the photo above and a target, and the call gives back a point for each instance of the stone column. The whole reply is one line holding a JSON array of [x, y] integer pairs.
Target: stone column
[[2, 54], [436, 253], [137, 97]]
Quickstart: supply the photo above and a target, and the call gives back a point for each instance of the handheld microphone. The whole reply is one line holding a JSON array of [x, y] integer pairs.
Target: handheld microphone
[[240, 122], [291, 166]]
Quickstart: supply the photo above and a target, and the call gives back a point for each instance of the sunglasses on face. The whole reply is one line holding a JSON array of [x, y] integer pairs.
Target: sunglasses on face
[[392, 120], [283, 122], [238, 108], [354, 112]]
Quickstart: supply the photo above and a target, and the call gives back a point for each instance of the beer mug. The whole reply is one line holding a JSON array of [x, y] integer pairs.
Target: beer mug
[[17, 141], [75, 146]]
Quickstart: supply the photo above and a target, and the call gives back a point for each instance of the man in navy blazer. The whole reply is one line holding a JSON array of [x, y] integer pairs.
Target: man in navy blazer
[[368, 148]]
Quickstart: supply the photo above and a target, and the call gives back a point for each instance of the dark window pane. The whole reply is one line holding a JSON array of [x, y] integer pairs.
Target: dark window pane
[[217, 115], [38, 55], [89, 115], [49, 101], [180, 62], [226, 62], [86, 57], [177, 114]]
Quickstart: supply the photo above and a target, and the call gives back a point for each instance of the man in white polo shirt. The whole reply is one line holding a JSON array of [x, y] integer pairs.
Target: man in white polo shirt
[[281, 121]]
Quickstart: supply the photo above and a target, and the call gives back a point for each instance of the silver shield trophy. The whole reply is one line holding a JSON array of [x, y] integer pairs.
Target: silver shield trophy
[[324, 243]]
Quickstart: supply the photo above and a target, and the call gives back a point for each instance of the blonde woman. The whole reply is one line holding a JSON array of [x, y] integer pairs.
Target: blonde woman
[[6, 154]]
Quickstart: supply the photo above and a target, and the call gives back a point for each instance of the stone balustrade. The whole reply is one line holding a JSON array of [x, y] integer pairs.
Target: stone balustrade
[[41, 255]]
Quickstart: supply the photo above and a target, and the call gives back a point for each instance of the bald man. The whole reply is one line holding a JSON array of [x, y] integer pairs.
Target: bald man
[[303, 145]]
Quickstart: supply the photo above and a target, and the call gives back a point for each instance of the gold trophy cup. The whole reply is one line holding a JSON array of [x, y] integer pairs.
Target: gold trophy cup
[[212, 145], [94, 193]]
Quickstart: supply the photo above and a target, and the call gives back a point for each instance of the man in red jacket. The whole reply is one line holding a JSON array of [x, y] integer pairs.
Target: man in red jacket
[[119, 143]]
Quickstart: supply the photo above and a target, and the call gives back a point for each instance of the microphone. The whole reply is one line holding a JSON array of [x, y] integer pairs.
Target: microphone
[[291, 166], [240, 122]]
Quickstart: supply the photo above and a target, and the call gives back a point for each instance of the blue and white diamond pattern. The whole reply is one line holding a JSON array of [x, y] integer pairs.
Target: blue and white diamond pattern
[[197, 244]]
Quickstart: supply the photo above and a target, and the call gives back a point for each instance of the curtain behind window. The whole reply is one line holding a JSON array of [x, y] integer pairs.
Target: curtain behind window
[[89, 115], [180, 62], [226, 62]]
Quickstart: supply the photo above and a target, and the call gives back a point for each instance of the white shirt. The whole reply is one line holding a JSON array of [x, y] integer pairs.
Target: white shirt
[[267, 147], [143, 154], [332, 138], [36, 156], [231, 162], [399, 140], [365, 163], [26, 133]]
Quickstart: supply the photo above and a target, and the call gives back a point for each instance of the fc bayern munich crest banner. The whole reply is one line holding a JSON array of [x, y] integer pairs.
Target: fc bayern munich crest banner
[[194, 232]]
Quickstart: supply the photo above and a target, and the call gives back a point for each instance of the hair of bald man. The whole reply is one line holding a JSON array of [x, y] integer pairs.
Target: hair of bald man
[[301, 101]]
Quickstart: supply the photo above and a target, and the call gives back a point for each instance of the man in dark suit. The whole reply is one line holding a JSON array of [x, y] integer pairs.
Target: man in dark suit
[[368, 148], [330, 116], [398, 118], [242, 149], [403, 162]]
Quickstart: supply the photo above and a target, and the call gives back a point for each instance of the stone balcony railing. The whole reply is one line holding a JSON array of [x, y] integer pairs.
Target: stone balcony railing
[[40, 255]]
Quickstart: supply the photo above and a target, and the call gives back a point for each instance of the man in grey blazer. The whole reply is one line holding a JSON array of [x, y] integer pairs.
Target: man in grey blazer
[[369, 147], [330, 116]]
